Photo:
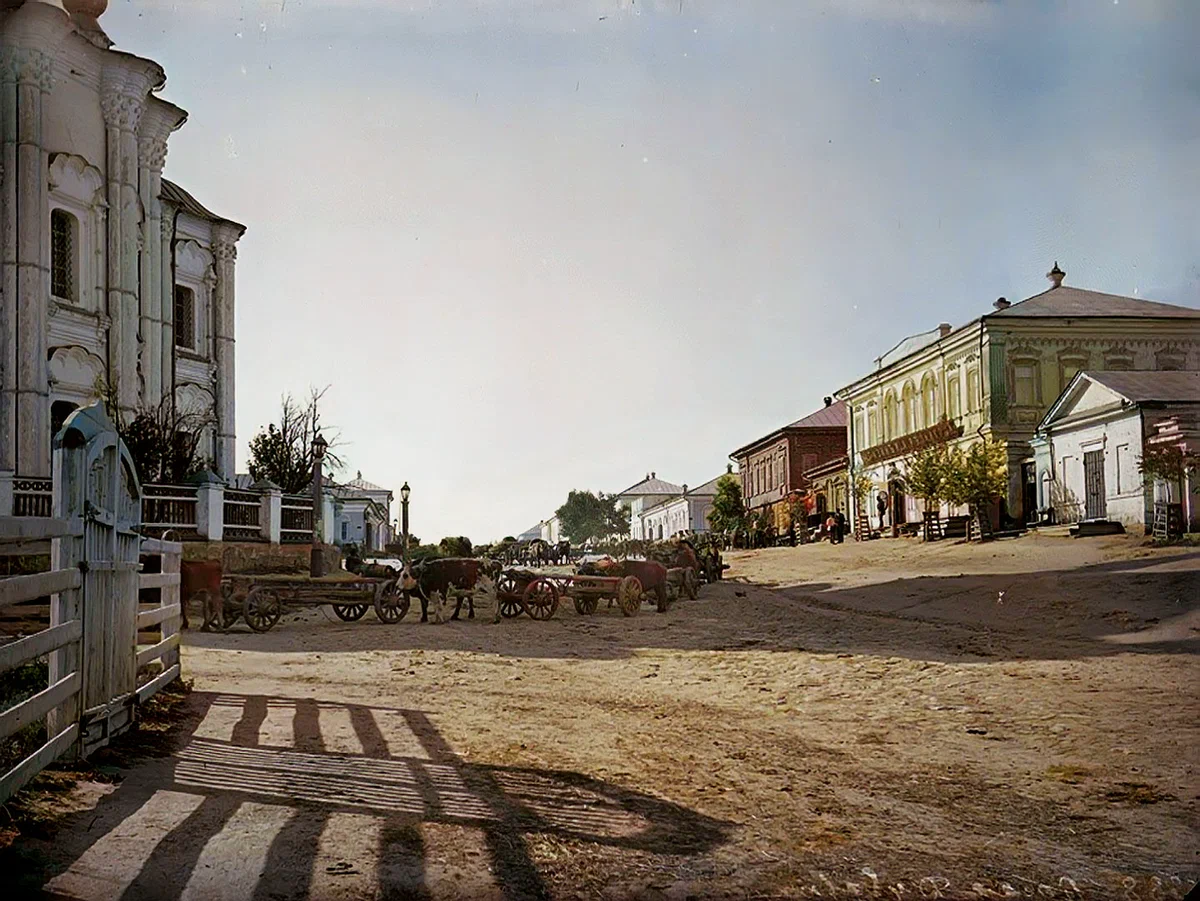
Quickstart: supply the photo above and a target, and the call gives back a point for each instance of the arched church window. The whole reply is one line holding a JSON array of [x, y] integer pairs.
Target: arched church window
[[64, 241]]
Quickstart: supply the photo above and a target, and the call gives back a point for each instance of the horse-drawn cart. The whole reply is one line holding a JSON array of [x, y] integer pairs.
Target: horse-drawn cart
[[537, 594], [261, 599]]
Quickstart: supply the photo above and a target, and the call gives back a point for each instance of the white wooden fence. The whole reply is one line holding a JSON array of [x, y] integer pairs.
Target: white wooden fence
[[98, 674]]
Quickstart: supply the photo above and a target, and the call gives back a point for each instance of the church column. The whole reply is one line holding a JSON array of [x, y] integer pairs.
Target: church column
[[167, 295], [224, 255], [152, 153], [26, 263], [121, 114]]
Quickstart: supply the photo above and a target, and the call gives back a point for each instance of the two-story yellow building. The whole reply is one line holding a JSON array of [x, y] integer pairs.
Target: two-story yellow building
[[996, 377]]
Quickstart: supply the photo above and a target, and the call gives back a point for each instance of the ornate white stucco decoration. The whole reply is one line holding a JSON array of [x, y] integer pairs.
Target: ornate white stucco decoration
[[192, 400], [193, 260], [73, 176], [75, 369]]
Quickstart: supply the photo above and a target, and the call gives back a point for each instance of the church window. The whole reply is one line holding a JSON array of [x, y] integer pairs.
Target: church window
[[185, 318], [64, 236]]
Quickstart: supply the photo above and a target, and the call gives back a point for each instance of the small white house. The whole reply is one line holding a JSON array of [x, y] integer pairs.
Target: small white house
[[637, 499], [688, 512], [1089, 446], [363, 514], [551, 530]]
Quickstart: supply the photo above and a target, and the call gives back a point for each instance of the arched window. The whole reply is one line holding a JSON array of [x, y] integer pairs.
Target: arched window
[[872, 436], [891, 423], [973, 398], [64, 255], [929, 405], [909, 409], [953, 397]]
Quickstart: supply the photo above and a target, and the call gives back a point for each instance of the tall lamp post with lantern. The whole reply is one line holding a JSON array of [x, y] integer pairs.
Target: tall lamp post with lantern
[[317, 561], [404, 493]]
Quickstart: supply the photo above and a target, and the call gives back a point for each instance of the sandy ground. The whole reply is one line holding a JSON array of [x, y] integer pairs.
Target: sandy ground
[[890, 719]]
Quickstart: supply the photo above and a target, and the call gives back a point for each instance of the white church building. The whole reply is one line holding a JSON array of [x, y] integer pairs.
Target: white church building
[[109, 273]]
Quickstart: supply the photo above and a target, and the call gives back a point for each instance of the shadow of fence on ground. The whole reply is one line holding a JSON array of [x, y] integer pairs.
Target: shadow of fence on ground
[[305, 785]]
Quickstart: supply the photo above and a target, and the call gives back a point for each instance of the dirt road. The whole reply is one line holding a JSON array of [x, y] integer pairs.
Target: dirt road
[[878, 720]]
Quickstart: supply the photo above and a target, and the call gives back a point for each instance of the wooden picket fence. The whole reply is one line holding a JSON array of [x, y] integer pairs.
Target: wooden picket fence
[[98, 674]]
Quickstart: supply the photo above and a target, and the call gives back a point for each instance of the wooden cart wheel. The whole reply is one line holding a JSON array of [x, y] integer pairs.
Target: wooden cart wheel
[[691, 583], [263, 609], [540, 599], [350, 612], [586, 605], [391, 604], [508, 596], [629, 595]]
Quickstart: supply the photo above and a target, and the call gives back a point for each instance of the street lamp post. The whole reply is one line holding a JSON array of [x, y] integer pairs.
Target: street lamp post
[[316, 567], [404, 492]]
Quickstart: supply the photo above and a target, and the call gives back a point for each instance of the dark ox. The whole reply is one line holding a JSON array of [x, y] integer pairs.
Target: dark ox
[[202, 579], [439, 577]]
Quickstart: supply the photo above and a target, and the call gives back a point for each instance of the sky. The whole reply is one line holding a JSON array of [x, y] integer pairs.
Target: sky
[[541, 245]]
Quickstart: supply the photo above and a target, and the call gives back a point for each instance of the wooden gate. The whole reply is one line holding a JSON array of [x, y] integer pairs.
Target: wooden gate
[[93, 584], [1095, 506]]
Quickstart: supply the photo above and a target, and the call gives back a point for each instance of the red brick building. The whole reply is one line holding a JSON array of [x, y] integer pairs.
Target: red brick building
[[774, 465]]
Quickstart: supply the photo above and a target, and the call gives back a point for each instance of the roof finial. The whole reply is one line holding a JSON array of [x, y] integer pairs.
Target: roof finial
[[359, 476], [1056, 275]]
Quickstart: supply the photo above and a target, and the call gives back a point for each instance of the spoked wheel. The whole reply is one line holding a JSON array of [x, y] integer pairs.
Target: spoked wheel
[[263, 609], [540, 599], [508, 596], [629, 595], [350, 612], [691, 583], [586, 605], [391, 603]]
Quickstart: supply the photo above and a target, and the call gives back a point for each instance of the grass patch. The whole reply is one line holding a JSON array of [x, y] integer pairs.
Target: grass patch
[[1136, 793], [1070, 774]]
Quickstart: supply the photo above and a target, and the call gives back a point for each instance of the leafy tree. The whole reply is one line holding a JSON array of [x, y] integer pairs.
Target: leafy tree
[[927, 474], [283, 452], [589, 517], [728, 512], [1168, 463], [458, 546], [977, 477]]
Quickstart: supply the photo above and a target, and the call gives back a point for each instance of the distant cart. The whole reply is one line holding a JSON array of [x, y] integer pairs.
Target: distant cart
[[262, 599], [538, 594]]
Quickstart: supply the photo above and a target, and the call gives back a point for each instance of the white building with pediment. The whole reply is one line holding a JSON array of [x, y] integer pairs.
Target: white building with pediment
[[110, 274]]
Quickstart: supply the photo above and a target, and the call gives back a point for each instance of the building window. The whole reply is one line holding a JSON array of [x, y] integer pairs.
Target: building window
[[185, 318], [909, 409], [1170, 360], [64, 239], [972, 390], [1025, 383], [808, 461], [953, 398], [1069, 367], [872, 436], [890, 416], [929, 405]]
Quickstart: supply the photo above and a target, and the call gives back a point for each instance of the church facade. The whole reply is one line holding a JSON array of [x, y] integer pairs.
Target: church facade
[[113, 279]]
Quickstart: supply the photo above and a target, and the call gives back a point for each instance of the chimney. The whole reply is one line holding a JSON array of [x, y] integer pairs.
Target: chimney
[[943, 329], [1002, 303], [1056, 276], [829, 401], [654, 475], [685, 487]]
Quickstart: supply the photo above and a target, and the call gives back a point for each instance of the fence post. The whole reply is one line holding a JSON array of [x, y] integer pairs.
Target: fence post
[[170, 594], [270, 519], [6, 492], [210, 507], [69, 467]]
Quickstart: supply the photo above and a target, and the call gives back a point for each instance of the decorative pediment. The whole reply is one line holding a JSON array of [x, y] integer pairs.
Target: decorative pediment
[[74, 177], [193, 260], [76, 368], [1024, 352]]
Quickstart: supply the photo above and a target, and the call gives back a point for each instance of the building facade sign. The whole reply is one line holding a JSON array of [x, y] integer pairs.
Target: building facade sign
[[910, 444]]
